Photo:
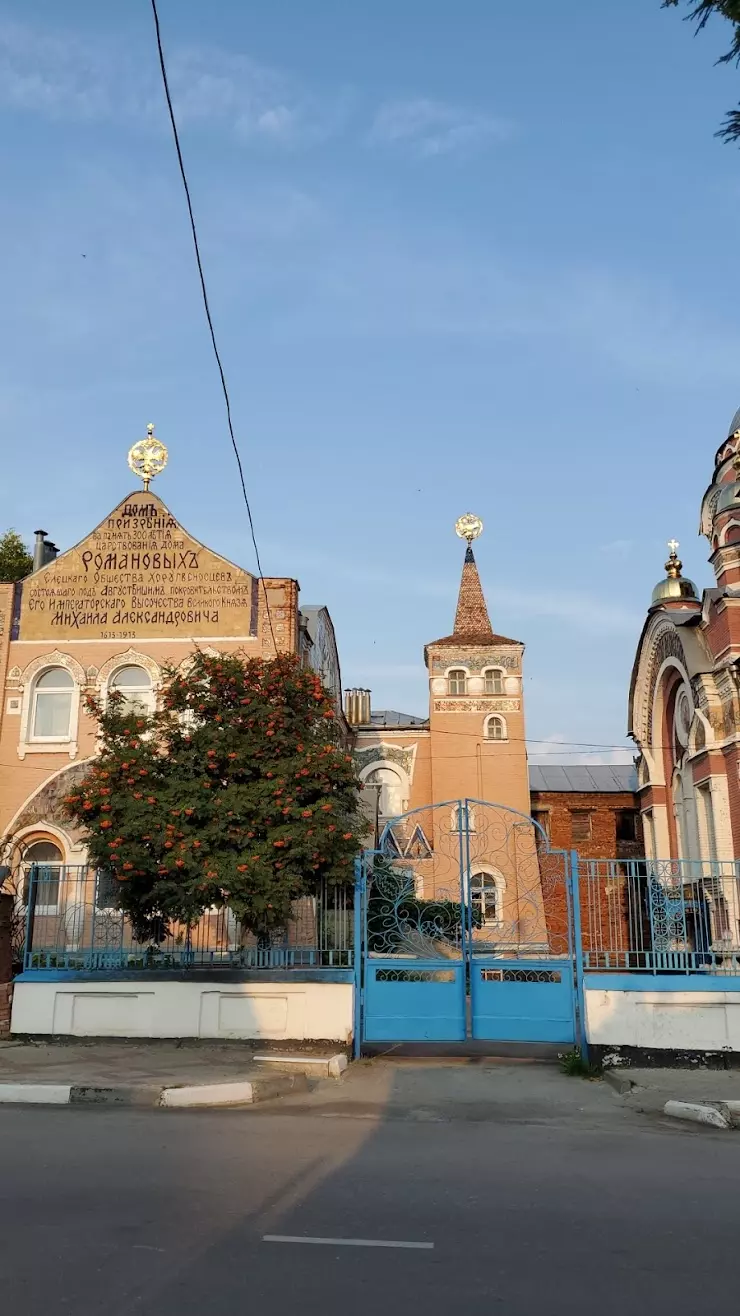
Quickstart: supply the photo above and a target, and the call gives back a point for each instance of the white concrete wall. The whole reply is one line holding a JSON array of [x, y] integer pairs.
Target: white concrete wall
[[675, 1020], [293, 1011]]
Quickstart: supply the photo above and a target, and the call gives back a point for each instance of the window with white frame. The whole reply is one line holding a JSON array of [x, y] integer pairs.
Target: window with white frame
[[457, 681], [51, 705], [487, 898], [135, 685], [457, 821], [494, 727], [494, 681]]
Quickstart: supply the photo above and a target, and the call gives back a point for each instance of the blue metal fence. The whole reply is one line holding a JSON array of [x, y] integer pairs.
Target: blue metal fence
[[72, 923], [640, 916], [661, 916]]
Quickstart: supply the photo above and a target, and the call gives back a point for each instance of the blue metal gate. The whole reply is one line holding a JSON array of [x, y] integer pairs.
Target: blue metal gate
[[466, 925]]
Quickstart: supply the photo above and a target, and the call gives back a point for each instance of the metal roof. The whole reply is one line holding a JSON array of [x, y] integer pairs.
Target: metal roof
[[388, 717], [598, 778]]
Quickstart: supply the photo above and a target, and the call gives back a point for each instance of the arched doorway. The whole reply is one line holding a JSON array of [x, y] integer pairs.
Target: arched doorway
[[45, 859]]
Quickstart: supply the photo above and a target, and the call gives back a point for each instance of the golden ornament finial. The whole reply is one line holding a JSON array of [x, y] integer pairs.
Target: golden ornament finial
[[674, 564], [468, 527], [148, 457]]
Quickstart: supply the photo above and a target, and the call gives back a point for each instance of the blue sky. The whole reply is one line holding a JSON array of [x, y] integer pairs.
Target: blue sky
[[472, 256]]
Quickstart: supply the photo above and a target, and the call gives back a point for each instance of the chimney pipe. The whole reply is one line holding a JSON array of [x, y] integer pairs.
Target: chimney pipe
[[39, 549], [357, 707], [50, 551]]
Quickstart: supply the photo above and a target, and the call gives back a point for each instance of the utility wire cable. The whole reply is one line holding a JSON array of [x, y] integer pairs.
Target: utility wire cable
[[204, 292]]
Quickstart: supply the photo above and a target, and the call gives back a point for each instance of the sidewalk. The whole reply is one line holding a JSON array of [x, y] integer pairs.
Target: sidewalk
[[648, 1090], [147, 1074]]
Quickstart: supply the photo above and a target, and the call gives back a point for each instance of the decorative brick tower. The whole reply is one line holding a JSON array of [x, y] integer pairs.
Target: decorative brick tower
[[476, 714]]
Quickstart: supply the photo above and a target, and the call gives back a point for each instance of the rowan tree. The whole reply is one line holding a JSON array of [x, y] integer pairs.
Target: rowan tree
[[236, 791]]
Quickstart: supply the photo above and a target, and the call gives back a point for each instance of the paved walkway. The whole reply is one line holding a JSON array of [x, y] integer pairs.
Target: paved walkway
[[650, 1089], [155, 1074], [130, 1064]]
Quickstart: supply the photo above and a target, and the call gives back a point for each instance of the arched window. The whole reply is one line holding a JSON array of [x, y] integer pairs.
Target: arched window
[[494, 727], [457, 821], [457, 681], [51, 705], [389, 788], [494, 681], [486, 894], [135, 685], [45, 859]]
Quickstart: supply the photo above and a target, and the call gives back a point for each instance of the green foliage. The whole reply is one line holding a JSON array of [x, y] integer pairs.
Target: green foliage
[[575, 1065], [15, 559], [236, 791], [700, 11], [393, 904]]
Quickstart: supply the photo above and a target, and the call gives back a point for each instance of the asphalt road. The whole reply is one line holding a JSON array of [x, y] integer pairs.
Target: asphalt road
[[116, 1212]]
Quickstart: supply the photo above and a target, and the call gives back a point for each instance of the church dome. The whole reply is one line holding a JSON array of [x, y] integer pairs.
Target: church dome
[[734, 424], [675, 588], [729, 497]]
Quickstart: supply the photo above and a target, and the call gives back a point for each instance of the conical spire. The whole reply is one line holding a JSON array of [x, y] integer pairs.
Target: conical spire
[[471, 617], [472, 623]]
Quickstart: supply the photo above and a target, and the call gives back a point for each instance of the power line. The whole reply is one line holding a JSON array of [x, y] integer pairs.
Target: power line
[[204, 292]]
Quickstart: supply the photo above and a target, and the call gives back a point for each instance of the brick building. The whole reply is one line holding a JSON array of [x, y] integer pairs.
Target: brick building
[[136, 594], [473, 745], [684, 707], [589, 809]]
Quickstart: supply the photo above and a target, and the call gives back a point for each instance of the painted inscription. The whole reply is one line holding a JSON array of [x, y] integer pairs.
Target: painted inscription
[[138, 574]]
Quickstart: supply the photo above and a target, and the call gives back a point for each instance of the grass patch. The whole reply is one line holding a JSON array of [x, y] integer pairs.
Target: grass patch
[[576, 1065]]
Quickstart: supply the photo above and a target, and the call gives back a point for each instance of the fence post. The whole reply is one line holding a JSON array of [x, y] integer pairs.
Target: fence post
[[357, 954], [6, 960], [30, 914], [577, 935]]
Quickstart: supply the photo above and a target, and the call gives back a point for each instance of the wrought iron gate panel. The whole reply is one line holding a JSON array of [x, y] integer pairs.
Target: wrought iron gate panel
[[467, 929], [414, 930]]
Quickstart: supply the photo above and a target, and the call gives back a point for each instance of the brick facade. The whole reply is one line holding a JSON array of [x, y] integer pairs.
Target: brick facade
[[602, 902], [602, 809]]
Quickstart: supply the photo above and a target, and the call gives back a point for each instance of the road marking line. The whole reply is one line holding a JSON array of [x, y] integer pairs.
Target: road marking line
[[343, 1242]]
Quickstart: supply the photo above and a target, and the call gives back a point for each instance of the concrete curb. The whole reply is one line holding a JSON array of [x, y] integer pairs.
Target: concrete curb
[[696, 1112], [243, 1092], [731, 1110], [620, 1082], [313, 1066]]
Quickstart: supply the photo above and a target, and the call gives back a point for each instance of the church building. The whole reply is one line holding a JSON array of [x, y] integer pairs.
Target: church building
[[684, 704]]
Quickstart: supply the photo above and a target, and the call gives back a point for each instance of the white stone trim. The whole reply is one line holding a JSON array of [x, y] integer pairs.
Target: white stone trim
[[499, 880], [131, 658], [76, 847], [662, 835], [495, 740], [392, 766], [34, 669]]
